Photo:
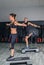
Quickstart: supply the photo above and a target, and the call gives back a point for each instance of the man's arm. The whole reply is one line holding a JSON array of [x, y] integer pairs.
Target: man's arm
[[33, 25]]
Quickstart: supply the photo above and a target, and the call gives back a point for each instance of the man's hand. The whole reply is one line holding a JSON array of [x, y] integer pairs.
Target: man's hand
[[38, 26]]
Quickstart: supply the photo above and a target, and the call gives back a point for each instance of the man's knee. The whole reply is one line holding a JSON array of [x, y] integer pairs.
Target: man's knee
[[26, 38]]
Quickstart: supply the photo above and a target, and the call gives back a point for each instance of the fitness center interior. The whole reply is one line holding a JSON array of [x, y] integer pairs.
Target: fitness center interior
[[34, 11]]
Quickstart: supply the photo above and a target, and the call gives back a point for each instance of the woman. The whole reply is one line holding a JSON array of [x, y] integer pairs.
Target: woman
[[30, 30], [13, 26]]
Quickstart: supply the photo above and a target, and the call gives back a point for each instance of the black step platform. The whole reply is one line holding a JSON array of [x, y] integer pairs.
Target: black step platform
[[20, 61], [19, 64], [24, 50]]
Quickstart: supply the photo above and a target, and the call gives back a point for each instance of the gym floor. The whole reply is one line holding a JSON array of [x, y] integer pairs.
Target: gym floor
[[37, 58]]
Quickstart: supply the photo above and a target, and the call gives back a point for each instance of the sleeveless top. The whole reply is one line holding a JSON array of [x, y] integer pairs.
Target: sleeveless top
[[28, 27], [13, 26]]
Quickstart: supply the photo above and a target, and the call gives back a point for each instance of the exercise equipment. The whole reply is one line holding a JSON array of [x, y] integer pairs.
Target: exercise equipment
[[20, 60], [29, 49], [24, 50]]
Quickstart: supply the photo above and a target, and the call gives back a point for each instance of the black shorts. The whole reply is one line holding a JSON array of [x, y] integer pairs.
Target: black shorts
[[34, 32]]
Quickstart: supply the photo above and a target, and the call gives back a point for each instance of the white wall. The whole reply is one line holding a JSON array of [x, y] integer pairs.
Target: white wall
[[33, 13], [33, 9]]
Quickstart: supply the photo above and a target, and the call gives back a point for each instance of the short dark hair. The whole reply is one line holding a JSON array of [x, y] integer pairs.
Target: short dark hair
[[13, 15]]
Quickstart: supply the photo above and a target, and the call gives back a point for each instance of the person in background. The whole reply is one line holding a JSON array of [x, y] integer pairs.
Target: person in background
[[30, 30]]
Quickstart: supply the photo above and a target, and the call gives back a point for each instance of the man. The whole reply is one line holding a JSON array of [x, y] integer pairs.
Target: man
[[30, 30]]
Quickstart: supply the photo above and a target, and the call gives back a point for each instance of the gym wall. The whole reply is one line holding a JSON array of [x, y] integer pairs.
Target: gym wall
[[5, 32]]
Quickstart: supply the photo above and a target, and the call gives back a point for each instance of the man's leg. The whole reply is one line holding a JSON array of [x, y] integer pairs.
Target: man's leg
[[26, 39]]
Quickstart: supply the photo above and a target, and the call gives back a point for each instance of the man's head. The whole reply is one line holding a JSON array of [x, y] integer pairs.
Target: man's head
[[25, 19], [12, 16]]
